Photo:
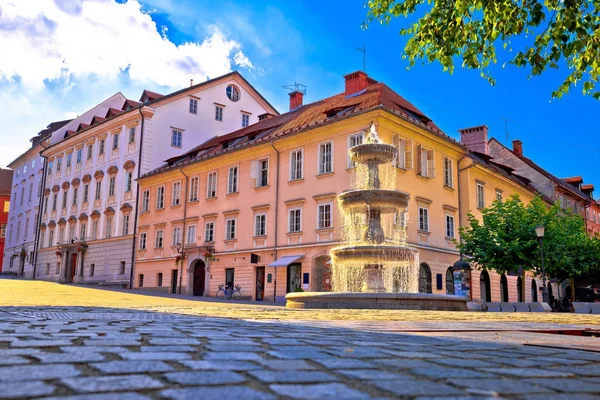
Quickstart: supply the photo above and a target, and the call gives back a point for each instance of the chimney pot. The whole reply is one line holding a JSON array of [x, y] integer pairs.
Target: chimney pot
[[355, 82], [517, 147], [475, 139], [296, 99], [191, 82]]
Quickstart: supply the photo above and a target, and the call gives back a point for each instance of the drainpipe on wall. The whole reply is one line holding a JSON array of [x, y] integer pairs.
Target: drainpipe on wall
[[36, 243], [137, 201], [276, 223], [458, 192], [181, 248]]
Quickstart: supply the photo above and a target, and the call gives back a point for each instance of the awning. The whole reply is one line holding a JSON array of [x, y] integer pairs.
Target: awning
[[285, 261]]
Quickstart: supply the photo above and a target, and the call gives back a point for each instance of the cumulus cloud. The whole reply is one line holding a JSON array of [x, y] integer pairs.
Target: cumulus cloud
[[62, 40]]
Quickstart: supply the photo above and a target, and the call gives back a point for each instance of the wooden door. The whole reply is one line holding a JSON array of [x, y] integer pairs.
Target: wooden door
[[73, 266], [174, 281], [260, 283], [199, 278]]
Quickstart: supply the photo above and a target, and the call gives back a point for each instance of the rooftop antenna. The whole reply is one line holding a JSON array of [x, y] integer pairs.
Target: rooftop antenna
[[296, 87], [506, 121], [364, 51]]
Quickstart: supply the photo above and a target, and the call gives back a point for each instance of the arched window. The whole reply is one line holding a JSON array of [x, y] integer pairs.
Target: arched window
[[484, 286], [503, 288], [520, 289], [424, 278], [449, 281], [534, 292]]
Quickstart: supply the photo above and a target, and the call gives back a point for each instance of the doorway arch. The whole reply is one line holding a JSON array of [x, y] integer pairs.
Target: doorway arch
[[503, 288], [449, 281], [520, 289], [534, 291], [424, 278], [484, 286], [198, 278]]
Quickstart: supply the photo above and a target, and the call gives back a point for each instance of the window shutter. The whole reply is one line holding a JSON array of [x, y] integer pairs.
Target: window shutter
[[430, 164], [419, 162], [408, 154]]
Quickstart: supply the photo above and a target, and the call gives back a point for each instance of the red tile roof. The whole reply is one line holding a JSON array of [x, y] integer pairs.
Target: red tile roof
[[148, 95], [574, 179]]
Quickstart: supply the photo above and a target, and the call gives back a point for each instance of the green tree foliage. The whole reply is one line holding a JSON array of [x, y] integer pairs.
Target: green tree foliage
[[553, 32], [505, 240]]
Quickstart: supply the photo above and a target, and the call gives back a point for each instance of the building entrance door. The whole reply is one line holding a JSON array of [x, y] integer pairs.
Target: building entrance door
[[174, 281], [199, 278], [72, 266], [260, 283], [294, 277]]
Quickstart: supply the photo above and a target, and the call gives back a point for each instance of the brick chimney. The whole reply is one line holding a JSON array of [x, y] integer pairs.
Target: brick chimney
[[295, 99], [518, 147], [475, 139], [355, 82]]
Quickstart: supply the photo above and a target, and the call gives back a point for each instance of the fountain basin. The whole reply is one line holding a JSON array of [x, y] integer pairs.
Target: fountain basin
[[381, 301], [374, 153], [386, 201], [372, 254]]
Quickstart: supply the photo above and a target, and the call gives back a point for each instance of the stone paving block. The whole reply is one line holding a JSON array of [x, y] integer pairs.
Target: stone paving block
[[567, 385], [174, 341], [231, 356], [112, 342], [225, 392], [343, 363], [235, 348], [112, 383], [41, 343], [285, 365], [450, 373], [500, 386], [464, 363], [581, 370], [102, 396], [202, 378], [94, 349], [174, 349], [356, 352], [69, 357], [414, 387], [295, 377], [396, 363], [12, 360], [156, 356], [561, 396], [37, 372], [527, 372], [131, 366], [371, 374], [221, 365], [9, 390], [411, 354], [299, 355], [319, 391]]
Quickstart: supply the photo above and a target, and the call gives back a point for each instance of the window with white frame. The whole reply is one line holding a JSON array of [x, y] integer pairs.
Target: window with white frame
[[354, 140], [101, 145], [295, 220], [51, 238], [69, 157], [263, 173], [230, 228], [79, 152], [160, 197], [425, 162], [125, 224], [64, 199], [209, 232], [194, 185], [480, 197], [111, 186], [324, 216], [176, 138], [449, 226], [115, 141], [22, 195], [75, 192], [325, 158], [86, 192], [191, 234], [245, 120], [30, 194], [423, 219], [176, 236], [109, 223], [260, 224], [19, 231], [158, 241], [400, 219], [94, 229], [98, 190], [146, 200], [176, 195], [143, 239], [42, 242], [498, 195], [232, 180], [128, 181], [54, 201], [90, 150], [82, 230], [448, 173], [296, 163], [193, 106], [131, 135], [211, 185], [58, 164], [218, 113]]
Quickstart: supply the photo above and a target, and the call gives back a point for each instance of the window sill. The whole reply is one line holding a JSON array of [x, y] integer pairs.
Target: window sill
[[450, 188], [158, 248], [423, 177], [175, 205], [188, 245], [325, 174], [211, 198], [232, 194], [176, 147], [296, 181], [401, 169], [193, 201], [144, 212], [422, 232], [230, 240], [159, 210], [209, 243], [330, 229], [259, 236], [295, 233], [262, 187], [450, 238]]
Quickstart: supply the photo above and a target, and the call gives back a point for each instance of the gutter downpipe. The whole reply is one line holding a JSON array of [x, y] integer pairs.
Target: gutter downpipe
[[460, 253], [181, 248], [137, 202], [276, 222], [40, 213]]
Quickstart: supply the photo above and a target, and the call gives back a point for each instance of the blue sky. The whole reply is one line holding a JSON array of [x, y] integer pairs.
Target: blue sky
[[313, 42]]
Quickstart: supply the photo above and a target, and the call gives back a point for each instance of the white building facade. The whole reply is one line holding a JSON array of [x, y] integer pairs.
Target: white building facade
[[90, 202]]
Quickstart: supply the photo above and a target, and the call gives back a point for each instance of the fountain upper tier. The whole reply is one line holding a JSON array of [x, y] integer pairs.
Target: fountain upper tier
[[386, 201], [373, 153], [372, 254]]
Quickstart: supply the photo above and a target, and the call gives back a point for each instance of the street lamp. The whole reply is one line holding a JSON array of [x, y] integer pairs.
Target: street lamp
[[539, 232]]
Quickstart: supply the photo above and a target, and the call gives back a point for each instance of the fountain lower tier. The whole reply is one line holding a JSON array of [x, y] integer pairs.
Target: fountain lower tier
[[386, 201], [372, 254]]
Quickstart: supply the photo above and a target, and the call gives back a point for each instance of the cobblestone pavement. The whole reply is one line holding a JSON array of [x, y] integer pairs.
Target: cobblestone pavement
[[97, 353]]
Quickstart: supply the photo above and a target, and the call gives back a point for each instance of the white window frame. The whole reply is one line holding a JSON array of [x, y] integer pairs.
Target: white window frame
[[211, 185], [320, 155], [160, 197], [321, 223], [191, 234], [108, 227], [400, 219], [480, 195], [295, 209], [101, 147], [79, 156], [259, 172], [448, 172], [245, 120], [193, 106], [424, 219], [450, 226], [111, 186], [353, 139], [233, 180], [98, 194], [218, 113], [125, 225], [260, 221], [194, 187], [131, 138], [128, 181], [159, 239], [115, 141], [294, 164], [176, 194], [209, 231], [143, 240], [499, 195], [231, 229], [176, 138], [146, 200], [176, 236]]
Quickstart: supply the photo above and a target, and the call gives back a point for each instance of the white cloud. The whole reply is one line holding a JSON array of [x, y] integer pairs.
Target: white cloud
[[241, 60]]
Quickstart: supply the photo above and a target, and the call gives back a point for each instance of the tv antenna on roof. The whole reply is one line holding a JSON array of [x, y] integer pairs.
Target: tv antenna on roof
[[364, 51], [506, 121], [296, 87]]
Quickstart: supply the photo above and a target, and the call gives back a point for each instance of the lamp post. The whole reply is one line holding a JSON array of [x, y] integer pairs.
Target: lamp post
[[539, 231]]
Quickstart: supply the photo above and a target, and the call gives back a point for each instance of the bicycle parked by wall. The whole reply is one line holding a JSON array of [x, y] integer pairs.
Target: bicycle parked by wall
[[225, 292]]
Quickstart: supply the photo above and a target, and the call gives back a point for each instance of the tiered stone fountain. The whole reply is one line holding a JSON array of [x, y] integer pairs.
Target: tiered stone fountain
[[375, 268]]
